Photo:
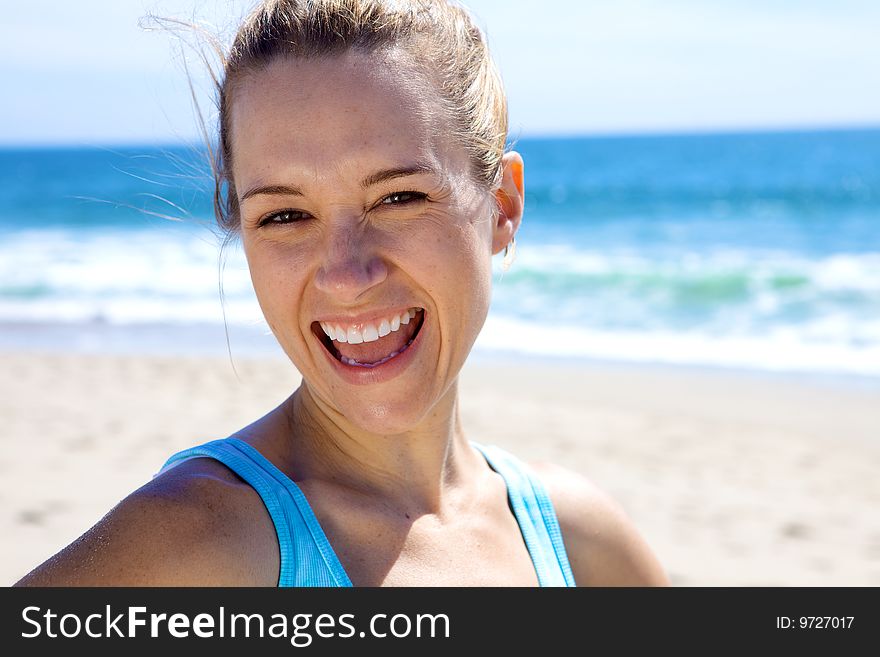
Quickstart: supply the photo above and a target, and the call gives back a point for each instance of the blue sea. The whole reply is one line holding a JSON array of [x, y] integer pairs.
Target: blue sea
[[757, 251]]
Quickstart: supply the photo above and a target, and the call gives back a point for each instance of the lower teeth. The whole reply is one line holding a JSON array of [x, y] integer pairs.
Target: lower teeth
[[352, 361]]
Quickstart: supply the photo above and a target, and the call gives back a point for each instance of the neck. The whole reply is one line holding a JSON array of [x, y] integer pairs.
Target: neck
[[415, 470]]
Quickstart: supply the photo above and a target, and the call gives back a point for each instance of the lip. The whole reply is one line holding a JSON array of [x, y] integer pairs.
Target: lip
[[380, 373]]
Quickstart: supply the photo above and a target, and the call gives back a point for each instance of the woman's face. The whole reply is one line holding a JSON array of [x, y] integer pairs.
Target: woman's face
[[359, 218]]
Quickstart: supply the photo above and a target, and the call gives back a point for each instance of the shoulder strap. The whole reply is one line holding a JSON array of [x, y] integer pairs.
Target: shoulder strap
[[306, 556], [534, 512]]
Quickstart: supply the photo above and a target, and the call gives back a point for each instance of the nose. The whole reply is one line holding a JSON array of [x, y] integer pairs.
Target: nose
[[351, 265]]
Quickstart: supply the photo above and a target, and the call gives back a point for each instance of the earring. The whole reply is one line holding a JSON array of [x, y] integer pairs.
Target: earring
[[509, 254]]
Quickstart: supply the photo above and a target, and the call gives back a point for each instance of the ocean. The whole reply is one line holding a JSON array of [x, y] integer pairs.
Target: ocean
[[757, 251]]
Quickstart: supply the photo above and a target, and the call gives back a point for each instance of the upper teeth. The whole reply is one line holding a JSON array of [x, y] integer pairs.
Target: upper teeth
[[367, 331]]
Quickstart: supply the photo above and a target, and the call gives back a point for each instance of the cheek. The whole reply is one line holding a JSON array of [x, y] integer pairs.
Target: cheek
[[274, 270], [457, 266]]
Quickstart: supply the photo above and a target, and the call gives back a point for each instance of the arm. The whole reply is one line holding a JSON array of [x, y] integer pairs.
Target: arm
[[192, 526], [603, 546]]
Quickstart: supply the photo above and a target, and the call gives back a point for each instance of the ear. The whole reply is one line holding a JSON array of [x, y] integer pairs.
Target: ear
[[509, 199]]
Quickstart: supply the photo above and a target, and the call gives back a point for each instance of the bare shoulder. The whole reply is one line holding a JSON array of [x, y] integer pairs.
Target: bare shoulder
[[603, 546], [197, 524]]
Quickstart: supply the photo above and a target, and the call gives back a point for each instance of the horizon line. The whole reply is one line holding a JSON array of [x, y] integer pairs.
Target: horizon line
[[536, 135]]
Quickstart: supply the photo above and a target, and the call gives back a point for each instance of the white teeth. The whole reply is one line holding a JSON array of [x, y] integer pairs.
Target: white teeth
[[370, 333]]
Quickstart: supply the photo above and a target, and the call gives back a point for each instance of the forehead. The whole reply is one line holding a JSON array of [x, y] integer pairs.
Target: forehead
[[329, 116]]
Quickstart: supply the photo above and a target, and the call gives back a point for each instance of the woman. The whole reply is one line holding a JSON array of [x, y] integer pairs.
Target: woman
[[361, 162]]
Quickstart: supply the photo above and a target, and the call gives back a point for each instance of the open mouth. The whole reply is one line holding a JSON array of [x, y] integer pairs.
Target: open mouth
[[373, 343]]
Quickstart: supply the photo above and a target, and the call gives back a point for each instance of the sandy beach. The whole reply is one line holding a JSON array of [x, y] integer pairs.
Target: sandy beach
[[734, 478]]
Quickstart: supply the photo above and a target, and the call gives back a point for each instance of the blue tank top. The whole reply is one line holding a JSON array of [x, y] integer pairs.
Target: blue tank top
[[307, 559]]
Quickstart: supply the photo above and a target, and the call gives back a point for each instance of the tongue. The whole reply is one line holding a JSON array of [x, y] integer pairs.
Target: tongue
[[372, 352]]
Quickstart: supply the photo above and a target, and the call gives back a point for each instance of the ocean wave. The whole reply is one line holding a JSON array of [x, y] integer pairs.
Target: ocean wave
[[861, 270], [766, 309], [631, 289], [783, 350]]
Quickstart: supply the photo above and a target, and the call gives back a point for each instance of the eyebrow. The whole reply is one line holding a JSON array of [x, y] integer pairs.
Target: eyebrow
[[396, 172], [273, 190], [373, 179]]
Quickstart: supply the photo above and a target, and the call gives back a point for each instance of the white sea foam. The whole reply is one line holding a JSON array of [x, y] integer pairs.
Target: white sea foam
[[859, 271], [761, 309], [782, 350]]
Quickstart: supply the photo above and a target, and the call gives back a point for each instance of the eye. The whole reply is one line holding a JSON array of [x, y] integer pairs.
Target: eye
[[282, 217], [402, 198]]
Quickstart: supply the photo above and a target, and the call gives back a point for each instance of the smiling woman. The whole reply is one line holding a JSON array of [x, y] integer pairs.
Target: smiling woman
[[361, 162]]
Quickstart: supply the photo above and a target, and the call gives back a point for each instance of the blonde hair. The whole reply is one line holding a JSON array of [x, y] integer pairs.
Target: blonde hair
[[439, 36]]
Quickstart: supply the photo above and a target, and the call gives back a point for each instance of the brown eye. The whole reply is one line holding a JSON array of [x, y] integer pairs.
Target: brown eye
[[402, 198], [283, 217]]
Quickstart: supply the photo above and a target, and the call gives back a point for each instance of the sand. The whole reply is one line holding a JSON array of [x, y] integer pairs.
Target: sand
[[734, 478]]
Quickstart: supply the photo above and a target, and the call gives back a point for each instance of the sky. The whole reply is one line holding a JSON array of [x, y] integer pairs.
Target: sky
[[85, 73]]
